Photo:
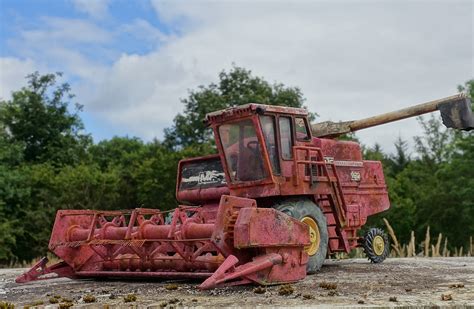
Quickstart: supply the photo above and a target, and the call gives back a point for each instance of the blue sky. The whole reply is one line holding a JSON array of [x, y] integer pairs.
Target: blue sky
[[20, 15], [23, 16], [130, 62]]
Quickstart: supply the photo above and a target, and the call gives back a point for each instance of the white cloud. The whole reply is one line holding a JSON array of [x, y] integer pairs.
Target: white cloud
[[142, 92], [94, 8], [13, 72], [65, 45], [66, 31], [350, 59], [143, 30]]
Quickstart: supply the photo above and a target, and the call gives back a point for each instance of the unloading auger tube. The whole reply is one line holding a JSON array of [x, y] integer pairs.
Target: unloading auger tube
[[455, 111]]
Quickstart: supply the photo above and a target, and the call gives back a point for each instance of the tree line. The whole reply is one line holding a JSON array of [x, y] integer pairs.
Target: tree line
[[48, 161]]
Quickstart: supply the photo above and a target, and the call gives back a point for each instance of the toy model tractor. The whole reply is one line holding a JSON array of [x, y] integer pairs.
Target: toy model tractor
[[279, 197]]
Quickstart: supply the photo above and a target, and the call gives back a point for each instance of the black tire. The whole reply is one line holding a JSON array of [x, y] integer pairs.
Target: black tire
[[299, 208], [372, 248]]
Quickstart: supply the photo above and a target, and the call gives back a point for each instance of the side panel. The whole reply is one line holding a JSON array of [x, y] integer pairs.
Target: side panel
[[201, 180], [362, 188], [373, 190]]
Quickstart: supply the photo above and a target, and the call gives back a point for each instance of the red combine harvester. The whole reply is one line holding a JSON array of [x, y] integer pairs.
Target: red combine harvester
[[280, 196]]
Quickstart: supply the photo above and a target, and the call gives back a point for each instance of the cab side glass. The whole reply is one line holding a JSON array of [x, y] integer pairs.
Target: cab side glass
[[268, 127], [301, 129], [242, 151], [285, 137]]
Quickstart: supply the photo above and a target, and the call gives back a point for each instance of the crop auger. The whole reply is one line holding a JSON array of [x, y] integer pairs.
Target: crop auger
[[279, 197]]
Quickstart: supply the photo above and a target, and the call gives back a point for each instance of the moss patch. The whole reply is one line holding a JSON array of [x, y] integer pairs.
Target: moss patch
[[89, 298], [171, 287], [328, 285], [65, 305], [130, 298], [6, 305], [286, 290]]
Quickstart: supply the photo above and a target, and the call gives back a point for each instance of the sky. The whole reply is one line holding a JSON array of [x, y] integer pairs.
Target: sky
[[130, 62]]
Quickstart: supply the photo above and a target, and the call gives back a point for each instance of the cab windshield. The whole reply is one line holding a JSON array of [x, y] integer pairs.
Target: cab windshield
[[242, 151]]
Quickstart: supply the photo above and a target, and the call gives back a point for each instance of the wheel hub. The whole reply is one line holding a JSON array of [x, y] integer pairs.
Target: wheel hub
[[378, 245], [314, 236]]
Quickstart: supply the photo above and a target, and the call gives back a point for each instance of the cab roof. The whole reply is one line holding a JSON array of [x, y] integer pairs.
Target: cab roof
[[251, 108]]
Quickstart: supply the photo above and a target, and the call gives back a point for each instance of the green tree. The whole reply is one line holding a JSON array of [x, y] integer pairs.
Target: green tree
[[156, 175], [147, 171], [468, 88], [14, 199], [32, 194], [126, 156], [457, 183], [401, 158], [436, 189], [118, 151], [236, 87], [434, 146], [38, 119], [374, 153]]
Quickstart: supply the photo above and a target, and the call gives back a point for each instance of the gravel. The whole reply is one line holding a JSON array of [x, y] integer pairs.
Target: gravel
[[408, 282]]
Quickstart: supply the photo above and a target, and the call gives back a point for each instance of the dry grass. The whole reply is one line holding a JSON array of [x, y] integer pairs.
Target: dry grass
[[439, 248], [395, 244], [429, 249]]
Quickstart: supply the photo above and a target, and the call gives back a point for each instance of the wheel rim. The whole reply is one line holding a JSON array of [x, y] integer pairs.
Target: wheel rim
[[378, 245], [314, 236]]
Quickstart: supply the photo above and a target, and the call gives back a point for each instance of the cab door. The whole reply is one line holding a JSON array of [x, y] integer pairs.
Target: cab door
[[286, 142], [292, 130]]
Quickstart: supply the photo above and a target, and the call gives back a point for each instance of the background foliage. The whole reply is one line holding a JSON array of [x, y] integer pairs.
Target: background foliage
[[49, 162]]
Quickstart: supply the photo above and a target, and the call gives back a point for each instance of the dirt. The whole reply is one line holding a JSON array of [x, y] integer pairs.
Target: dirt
[[414, 282]]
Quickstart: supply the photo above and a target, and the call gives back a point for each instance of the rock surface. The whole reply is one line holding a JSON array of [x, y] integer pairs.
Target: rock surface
[[411, 282]]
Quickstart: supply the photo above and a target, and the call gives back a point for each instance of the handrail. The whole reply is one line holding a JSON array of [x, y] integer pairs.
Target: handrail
[[336, 187]]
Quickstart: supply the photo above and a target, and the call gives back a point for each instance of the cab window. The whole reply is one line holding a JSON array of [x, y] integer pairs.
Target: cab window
[[301, 129], [286, 140], [268, 127], [242, 151]]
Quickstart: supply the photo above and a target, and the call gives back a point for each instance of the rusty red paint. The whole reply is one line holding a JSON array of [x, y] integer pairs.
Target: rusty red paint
[[232, 235], [40, 271], [347, 188], [139, 243]]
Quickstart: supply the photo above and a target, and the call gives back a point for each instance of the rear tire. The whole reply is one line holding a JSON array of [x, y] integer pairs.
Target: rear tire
[[308, 212]]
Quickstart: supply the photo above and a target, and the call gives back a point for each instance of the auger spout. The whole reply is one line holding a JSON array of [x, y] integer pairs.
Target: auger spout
[[455, 111]]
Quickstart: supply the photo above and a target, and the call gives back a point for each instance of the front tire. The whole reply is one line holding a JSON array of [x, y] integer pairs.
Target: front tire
[[309, 213], [376, 245]]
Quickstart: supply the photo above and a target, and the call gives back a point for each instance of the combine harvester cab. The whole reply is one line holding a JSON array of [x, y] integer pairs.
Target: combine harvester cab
[[278, 198]]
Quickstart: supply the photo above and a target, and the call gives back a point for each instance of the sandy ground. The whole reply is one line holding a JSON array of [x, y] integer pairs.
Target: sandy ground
[[414, 282]]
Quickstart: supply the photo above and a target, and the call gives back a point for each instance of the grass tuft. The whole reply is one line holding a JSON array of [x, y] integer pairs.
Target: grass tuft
[[130, 298]]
